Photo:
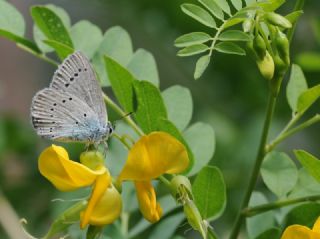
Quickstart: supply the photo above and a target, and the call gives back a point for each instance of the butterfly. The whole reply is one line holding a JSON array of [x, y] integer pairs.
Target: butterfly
[[72, 109]]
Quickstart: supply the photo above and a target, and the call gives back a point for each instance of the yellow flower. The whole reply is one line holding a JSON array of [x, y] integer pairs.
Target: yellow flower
[[150, 157], [302, 232], [104, 205]]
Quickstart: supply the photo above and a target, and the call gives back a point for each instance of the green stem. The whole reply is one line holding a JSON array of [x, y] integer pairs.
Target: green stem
[[125, 223], [249, 212], [299, 6], [288, 133], [165, 181], [255, 173], [262, 148], [119, 111]]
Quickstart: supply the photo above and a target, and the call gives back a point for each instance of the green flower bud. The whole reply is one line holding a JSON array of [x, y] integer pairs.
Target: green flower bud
[[194, 218], [247, 25], [277, 20], [181, 188], [250, 51], [92, 159], [282, 46], [259, 46], [266, 66]]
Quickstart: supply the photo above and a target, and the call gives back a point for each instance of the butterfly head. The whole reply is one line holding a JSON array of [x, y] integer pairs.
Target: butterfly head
[[108, 130]]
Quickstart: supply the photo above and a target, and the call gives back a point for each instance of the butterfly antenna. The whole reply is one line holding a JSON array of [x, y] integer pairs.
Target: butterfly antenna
[[122, 117]]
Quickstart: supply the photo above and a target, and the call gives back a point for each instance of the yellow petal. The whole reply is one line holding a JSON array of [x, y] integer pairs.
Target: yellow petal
[[149, 207], [298, 232], [153, 155], [316, 226], [108, 209], [100, 187], [65, 174]]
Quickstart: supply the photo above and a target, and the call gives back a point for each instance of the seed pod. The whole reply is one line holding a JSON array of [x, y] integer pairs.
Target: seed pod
[[194, 218], [277, 20], [282, 45], [266, 66], [259, 46]]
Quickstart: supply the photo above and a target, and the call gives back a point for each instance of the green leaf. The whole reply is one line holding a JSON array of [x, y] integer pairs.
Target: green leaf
[[209, 192], [201, 66], [279, 173], [249, 2], [201, 138], [237, 4], [192, 38], [230, 48], [116, 44], [166, 227], [309, 162], [234, 35], [63, 49], [213, 7], [296, 86], [309, 61], [11, 19], [199, 14], [51, 25], [121, 82], [86, 37], [306, 185], [271, 5], [223, 4], [307, 98], [305, 214], [193, 50], [25, 43], [168, 127], [144, 67], [294, 16], [94, 232], [178, 101], [273, 233], [262, 222], [233, 21], [150, 106], [39, 36]]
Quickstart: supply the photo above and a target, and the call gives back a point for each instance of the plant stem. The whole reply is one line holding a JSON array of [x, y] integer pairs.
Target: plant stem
[[299, 6], [256, 168], [249, 212], [262, 148], [119, 111], [281, 137]]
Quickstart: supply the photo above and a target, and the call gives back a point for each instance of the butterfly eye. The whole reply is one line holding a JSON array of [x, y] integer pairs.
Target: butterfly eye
[[110, 130]]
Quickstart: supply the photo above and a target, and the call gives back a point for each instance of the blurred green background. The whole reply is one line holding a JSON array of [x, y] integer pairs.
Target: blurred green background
[[231, 96]]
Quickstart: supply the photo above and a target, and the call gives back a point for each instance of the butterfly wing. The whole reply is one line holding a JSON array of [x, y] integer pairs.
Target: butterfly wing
[[77, 77], [62, 116]]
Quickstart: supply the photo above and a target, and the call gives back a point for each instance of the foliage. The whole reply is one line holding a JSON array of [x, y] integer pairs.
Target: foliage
[[134, 79]]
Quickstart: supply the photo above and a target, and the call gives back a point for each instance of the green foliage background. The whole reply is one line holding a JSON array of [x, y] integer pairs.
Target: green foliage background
[[231, 97]]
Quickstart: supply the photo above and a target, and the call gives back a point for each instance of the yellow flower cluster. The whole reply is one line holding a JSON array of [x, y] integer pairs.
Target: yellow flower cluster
[[302, 232], [150, 157]]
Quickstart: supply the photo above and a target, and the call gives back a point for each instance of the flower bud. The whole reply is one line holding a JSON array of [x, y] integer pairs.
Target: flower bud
[[194, 218], [282, 46], [247, 25], [92, 159], [181, 188], [266, 66], [277, 20], [259, 46]]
